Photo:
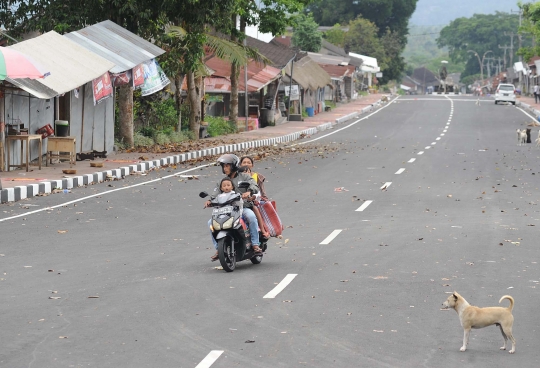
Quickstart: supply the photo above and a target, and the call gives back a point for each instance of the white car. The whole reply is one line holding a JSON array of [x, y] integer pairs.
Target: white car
[[505, 93]]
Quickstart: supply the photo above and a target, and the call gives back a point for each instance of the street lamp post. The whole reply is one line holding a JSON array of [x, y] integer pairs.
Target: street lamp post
[[481, 62]]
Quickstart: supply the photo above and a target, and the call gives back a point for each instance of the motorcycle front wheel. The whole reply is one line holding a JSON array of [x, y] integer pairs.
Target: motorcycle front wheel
[[226, 253]]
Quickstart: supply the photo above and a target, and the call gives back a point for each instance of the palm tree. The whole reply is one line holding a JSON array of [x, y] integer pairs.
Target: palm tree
[[234, 52]]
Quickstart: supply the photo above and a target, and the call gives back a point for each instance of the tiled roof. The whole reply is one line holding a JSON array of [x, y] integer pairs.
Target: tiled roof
[[425, 76], [284, 40], [279, 54]]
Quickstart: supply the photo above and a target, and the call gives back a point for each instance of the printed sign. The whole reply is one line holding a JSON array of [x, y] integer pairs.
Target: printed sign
[[138, 76], [295, 96], [154, 78], [102, 88]]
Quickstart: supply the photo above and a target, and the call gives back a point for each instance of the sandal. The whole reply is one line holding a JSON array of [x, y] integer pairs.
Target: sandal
[[256, 249], [215, 257]]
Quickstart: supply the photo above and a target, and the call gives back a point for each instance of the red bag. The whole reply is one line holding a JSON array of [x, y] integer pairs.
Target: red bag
[[272, 222]]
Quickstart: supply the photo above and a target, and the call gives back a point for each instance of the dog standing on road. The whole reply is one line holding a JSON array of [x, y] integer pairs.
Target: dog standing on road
[[474, 317], [522, 136]]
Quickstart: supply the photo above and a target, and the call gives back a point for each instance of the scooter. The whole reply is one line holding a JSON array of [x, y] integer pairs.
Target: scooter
[[231, 232]]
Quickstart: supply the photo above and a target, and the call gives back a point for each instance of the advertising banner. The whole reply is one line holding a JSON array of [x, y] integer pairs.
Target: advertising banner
[[102, 88], [154, 78], [138, 76]]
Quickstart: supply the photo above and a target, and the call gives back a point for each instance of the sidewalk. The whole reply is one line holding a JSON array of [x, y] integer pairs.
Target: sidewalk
[[19, 184], [529, 104]]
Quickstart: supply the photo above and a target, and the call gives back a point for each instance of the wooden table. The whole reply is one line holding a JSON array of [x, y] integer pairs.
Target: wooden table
[[23, 138], [64, 148]]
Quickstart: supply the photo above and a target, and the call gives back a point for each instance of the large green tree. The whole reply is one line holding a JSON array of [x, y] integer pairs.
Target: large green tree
[[480, 33], [386, 14], [306, 36], [530, 26], [361, 38], [389, 17]]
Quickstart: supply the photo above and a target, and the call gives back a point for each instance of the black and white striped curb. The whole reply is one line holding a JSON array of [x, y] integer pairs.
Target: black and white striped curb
[[27, 191]]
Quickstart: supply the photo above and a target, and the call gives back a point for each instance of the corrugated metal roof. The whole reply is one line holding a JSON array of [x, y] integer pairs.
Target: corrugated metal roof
[[329, 59], [70, 65], [124, 48], [369, 63], [258, 75]]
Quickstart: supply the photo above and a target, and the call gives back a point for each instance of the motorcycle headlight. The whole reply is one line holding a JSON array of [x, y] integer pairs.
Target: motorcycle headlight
[[216, 225], [228, 224]]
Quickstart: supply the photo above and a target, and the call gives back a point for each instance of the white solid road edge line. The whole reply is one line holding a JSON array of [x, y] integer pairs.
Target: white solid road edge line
[[364, 206], [331, 237], [279, 287], [210, 359], [400, 171]]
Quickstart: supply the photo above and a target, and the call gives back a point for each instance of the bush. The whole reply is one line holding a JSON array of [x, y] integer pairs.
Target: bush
[[219, 126], [161, 138], [178, 137], [139, 140]]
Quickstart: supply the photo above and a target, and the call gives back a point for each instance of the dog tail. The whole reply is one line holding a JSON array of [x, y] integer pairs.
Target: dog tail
[[511, 306]]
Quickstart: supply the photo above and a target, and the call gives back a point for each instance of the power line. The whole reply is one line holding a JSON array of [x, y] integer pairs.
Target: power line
[[423, 34]]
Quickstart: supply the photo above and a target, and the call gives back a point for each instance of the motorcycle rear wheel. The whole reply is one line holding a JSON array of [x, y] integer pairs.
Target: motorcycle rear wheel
[[227, 254]]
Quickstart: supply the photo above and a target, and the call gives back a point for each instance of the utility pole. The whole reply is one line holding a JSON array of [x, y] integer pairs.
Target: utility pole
[[505, 47], [511, 35], [481, 62], [490, 65], [520, 12]]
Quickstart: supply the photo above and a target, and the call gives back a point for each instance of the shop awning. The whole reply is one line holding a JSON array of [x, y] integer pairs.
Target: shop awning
[[369, 64], [116, 44], [71, 65]]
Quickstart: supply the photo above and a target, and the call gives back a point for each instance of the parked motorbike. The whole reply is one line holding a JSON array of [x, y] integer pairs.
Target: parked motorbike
[[231, 232]]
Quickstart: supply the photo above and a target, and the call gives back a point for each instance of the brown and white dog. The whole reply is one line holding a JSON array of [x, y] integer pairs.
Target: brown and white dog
[[474, 317]]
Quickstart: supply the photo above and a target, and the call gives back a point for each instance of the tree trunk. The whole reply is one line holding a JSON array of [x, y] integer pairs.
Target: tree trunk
[[235, 74], [178, 81], [233, 107], [125, 114], [194, 98]]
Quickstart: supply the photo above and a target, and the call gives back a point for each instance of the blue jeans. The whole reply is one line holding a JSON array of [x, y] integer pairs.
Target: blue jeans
[[251, 219]]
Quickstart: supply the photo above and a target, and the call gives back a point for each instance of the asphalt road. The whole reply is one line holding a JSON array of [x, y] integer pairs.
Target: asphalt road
[[385, 216]]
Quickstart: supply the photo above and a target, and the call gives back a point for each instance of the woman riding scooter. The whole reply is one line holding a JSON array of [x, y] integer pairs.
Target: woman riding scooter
[[229, 166]]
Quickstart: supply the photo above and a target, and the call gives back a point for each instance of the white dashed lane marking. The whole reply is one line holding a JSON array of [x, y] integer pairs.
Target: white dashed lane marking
[[331, 237], [420, 153], [210, 359], [400, 171], [282, 285], [386, 185], [411, 160], [364, 206]]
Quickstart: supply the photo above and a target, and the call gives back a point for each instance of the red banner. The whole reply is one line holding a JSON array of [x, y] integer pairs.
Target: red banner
[[102, 88], [138, 76]]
